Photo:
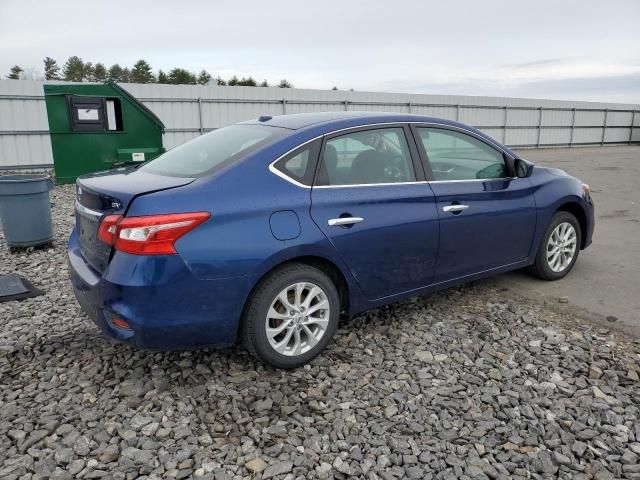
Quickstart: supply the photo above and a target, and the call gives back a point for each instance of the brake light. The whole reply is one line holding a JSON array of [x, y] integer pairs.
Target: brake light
[[107, 229], [148, 235]]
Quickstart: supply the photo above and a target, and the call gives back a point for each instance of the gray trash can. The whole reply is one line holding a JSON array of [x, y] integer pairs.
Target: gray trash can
[[25, 210]]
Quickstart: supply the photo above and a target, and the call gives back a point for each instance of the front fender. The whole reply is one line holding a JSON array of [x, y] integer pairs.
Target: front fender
[[555, 193]]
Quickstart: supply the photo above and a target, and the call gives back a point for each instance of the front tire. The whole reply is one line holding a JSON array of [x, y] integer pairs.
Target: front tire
[[559, 247], [291, 316]]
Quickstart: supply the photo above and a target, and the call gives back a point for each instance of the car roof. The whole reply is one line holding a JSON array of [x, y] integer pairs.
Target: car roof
[[298, 121], [325, 122]]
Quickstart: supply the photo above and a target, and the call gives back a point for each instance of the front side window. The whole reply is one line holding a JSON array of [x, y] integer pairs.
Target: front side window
[[367, 157], [205, 154], [457, 156]]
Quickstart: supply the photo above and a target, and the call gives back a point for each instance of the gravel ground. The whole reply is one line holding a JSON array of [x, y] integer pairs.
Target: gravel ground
[[469, 383]]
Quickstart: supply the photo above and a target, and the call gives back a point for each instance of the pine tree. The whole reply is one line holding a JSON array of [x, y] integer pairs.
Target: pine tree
[[51, 69], [16, 73], [204, 77], [162, 77], [220, 81], [126, 75], [87, 72], [100, 73], [180, 76], [264, 83], [247, 82], [115, 72], [285, 84], [73, 70], [142, 73], [233, 81]]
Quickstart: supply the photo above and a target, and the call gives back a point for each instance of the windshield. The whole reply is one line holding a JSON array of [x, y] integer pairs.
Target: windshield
[[205, 154]]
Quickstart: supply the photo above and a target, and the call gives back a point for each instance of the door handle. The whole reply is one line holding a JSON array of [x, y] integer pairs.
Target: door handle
[[343, 221], [454, 208]]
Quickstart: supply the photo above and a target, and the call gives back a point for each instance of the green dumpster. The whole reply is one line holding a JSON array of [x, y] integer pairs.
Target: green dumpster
[[95, 127]]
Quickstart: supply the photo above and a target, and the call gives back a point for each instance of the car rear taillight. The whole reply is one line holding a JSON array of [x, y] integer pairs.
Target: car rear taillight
[[148, 235], [107, 229]]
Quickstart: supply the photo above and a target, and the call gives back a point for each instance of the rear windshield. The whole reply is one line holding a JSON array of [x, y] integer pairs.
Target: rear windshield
[[216, 149]]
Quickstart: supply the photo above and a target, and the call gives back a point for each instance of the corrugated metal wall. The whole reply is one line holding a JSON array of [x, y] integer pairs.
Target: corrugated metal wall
[[24, 129], [190, 110]]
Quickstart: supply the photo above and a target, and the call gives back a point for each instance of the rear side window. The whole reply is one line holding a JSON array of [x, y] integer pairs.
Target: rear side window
[[367, 157], [214, 150], [457, 156], [300, 165]]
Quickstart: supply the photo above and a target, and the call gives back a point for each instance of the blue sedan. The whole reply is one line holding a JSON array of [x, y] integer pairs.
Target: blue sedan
[[268, 231]]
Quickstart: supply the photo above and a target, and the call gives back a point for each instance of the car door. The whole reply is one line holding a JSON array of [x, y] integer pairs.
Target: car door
[[487, 217], [371, 201]]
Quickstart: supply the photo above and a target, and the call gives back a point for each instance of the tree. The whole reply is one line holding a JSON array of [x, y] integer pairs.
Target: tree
[[285, 84], [100, 73], [142, 73], [115, 72], [126, 75], [204, 77], [16, 73], [220, 81], [233, 81], [51, 69], [264, 83], [73, 69], [180, 76], [334, 88], [162, 77], [87, 72], [119, 74], [247, 82]]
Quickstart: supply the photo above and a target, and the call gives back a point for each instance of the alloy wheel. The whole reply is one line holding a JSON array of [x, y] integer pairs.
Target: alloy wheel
[[561, 247], [297, 318]]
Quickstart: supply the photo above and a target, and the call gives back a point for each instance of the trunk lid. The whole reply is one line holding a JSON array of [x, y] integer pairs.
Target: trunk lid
[[108, 193]]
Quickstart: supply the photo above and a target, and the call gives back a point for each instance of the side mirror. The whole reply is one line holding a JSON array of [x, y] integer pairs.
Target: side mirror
[[523, 168]]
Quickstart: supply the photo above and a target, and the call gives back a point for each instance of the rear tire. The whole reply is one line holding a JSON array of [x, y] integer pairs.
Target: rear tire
[[291, 316], [559, 247]]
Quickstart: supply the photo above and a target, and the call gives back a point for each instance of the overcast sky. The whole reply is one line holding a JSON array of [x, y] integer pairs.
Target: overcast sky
[[562, 49]]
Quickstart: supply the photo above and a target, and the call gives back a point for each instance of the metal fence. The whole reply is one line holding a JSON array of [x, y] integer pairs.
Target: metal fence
[[189, 111], [574, 130]]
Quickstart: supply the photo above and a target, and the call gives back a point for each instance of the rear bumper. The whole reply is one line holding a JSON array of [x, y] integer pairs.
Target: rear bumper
[[166, 306]]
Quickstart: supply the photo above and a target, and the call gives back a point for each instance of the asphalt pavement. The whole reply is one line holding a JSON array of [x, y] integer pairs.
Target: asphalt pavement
[[605, 282]]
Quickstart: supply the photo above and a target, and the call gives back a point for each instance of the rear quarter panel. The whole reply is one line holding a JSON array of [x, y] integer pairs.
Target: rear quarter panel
[[238, 239]]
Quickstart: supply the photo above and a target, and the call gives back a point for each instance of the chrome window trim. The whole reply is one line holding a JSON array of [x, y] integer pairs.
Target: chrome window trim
[[501, 179], [357, 185], [277, 172], [284, 176]]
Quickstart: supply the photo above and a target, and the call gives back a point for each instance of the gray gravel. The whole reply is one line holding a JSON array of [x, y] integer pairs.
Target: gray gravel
[[469, 383]]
